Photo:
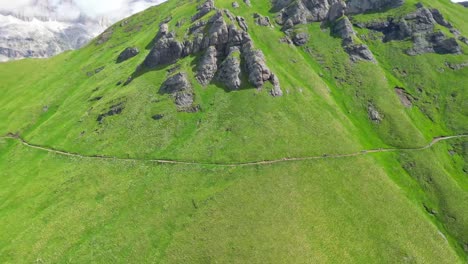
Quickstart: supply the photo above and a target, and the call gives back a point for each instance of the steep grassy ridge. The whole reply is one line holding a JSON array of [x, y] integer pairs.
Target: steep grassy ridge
[[380, 208]]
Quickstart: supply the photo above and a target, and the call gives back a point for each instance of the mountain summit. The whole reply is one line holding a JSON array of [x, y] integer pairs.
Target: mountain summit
[[266, 131]]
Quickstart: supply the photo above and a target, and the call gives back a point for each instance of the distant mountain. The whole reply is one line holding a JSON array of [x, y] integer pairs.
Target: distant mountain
[[465, 4], [45, 28]]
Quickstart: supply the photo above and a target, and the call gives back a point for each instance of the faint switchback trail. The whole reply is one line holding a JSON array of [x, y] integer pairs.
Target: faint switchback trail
[[241, 164]]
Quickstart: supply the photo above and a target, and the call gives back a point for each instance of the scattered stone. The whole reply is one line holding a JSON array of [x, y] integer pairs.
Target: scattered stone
[[95, 99], [247, 2], [157, 117], [113, 110], [235, 5], [405, 98], [457, 67], [45, 108], [374, 115], [128, 81], [127, 54], [301, 39]]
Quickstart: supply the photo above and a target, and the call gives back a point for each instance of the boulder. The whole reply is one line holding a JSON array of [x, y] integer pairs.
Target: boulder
[[127, 54]]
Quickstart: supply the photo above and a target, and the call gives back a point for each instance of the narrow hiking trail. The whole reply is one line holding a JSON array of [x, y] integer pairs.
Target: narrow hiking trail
[[253, 163]]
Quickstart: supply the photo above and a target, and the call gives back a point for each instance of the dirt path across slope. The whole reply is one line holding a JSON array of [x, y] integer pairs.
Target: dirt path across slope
[[241, 164]]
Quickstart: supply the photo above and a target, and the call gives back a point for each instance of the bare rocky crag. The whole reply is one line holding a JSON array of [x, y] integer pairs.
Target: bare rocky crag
[[224, 43]]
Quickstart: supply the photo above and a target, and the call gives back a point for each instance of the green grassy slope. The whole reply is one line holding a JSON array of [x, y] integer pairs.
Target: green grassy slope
[[380, 208]]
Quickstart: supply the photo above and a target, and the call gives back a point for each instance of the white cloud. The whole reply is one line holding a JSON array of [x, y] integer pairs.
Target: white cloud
[[69, 10]]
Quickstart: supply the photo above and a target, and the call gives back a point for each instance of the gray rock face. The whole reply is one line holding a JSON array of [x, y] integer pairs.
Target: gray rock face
[[166, 51], [208, 66], [336, 11], [127, 54], [223, 46], [180, 88], [364, 6], [255, 65], [230, 70]]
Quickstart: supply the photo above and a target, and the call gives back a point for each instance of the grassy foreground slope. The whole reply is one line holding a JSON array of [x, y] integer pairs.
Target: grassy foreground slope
[[381, 208]]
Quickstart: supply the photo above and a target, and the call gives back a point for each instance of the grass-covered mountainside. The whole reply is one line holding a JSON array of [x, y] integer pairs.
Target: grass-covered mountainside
[[219, 132]]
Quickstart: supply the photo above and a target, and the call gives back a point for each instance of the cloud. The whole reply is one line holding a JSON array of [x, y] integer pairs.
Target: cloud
[[70, 10]]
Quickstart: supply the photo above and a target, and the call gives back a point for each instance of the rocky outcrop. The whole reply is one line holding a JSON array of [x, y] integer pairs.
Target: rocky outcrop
[[333, 13], [127, 54], [364, 6], [224, 42], [418, 26], [230, 70], [181, 90]]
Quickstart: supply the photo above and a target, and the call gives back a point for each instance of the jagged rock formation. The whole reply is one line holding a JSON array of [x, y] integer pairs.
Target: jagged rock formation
[[224, 42], [127, 54], [420, 27]]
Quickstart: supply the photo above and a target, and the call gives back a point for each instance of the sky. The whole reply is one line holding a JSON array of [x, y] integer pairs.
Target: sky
[[93, 8]]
